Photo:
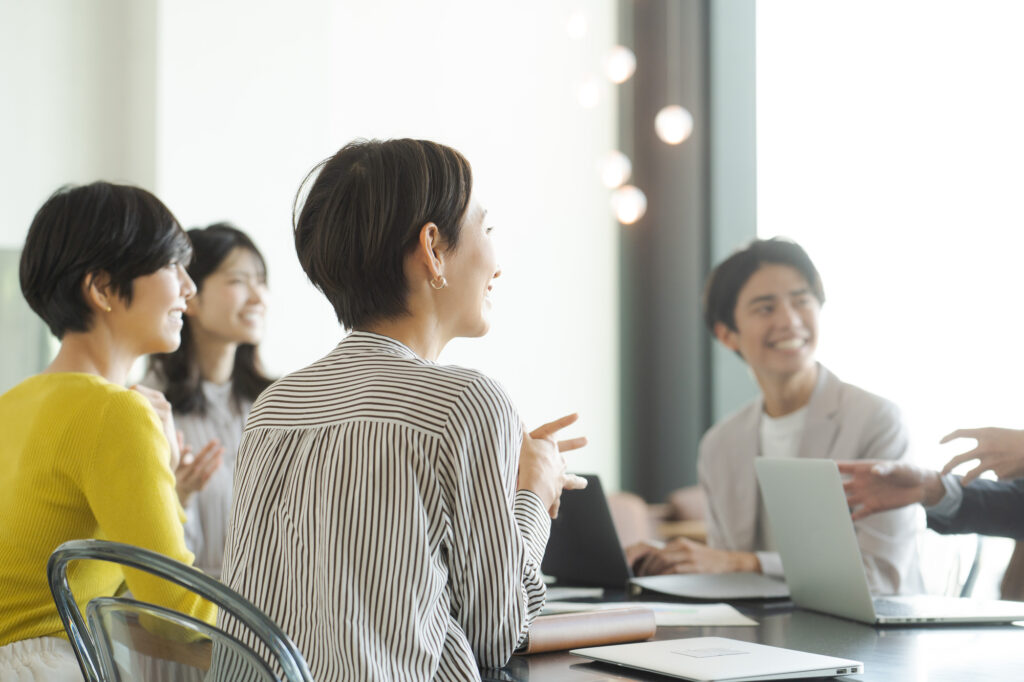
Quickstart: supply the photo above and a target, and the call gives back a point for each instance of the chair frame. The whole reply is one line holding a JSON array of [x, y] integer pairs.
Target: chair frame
[[98, 606], [291, 661]]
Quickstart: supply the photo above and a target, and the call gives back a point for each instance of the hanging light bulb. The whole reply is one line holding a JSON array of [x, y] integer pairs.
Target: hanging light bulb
[[589, 92], [576, 27], [620, 64], [629, 204], [673, 124], [615, 169]]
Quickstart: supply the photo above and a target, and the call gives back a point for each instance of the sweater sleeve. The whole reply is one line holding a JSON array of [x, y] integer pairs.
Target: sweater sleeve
[[130, 489], [498, 534]]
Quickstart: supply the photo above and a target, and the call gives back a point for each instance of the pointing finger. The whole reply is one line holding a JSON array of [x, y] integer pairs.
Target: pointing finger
[[553, 427]]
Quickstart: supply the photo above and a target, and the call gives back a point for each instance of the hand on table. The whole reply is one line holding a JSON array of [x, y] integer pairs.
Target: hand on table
[[1000, 451], [542, 466], [880, 485], [683, 555]]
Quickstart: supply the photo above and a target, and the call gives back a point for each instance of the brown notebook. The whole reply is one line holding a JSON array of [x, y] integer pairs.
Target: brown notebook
[[594, 628]]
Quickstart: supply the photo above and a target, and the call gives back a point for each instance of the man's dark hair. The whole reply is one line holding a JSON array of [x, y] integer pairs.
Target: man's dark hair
[[179, 371], [120, 230], [726, 280], [363, 214]]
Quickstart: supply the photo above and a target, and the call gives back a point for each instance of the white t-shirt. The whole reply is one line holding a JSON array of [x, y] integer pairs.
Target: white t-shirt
[[779, 438]]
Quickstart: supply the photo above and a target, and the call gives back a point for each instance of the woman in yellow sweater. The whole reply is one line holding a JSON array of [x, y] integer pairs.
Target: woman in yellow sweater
[[82, 456]]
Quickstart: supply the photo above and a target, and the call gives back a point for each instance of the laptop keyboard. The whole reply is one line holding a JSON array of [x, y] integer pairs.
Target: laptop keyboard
[[892, 607]]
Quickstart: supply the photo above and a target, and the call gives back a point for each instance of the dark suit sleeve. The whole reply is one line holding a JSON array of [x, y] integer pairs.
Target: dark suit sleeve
[[989, 508]]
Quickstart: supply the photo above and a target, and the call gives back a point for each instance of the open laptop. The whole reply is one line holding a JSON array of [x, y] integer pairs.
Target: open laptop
[[815, 537], [584, 551], [717, 659]]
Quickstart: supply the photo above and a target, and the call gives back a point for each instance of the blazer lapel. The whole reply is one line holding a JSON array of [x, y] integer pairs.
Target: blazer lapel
[[822, 426], [745, 494]]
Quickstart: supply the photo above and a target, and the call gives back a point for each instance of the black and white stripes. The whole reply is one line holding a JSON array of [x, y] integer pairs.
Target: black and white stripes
[[375, 517]]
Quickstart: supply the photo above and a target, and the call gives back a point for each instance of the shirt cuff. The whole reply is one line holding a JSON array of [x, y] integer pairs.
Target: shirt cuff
[[771, 564], [534, 523], [950, 503]]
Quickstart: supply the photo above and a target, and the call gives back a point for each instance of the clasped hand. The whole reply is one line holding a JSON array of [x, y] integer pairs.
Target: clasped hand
[[192, 471]]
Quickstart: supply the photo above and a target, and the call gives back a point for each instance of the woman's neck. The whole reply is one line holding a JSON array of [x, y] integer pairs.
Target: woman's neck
[[422, 336], [93, 352], [216, 357], [785, 394]]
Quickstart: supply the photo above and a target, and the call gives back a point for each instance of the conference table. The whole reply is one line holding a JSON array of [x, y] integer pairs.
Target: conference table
[[934, 653]]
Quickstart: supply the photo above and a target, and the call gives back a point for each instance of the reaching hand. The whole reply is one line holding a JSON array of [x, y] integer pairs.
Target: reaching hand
[[194, 472], [166, 416], [542, 466], [1000, 451], [686, 556], [880, 485]]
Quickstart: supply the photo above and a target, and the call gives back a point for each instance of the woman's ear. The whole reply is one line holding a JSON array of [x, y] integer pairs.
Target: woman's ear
[[430, 250], [726, 336], [97, 290]]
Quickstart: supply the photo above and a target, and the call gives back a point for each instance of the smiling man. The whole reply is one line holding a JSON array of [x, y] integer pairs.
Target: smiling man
[[763, 304]]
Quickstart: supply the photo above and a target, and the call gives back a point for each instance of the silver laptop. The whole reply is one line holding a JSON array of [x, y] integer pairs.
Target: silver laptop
[[815, 537], [717, 659]]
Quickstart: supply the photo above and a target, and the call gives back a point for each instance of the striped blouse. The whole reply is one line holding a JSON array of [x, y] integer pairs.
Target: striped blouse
[[375, 517]]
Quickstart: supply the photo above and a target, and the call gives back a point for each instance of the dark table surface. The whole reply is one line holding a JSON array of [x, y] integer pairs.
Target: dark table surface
[[942, 653]]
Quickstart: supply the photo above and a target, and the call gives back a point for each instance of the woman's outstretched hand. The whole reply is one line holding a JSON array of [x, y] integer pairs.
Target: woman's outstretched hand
[[542, 465]]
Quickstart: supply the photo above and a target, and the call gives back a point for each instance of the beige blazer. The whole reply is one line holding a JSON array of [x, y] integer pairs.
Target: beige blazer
[[843, 422]]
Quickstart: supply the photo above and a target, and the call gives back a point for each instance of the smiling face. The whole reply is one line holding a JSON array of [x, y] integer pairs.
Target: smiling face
[[470, 270], [776, 322], [152, 322], [231, 304]]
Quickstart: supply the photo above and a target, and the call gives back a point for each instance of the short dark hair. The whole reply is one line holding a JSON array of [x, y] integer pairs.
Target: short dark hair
[[725, 281], [179, 371], [363, 214], [121, 230]]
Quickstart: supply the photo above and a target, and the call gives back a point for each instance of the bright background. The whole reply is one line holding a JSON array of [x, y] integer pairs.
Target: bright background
[[890, 145], [221, 108]]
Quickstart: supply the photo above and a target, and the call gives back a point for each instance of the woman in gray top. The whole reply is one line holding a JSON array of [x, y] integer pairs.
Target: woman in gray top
[[213, 378]]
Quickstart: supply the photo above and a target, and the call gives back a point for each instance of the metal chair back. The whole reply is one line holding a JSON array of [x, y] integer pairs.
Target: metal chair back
[[90, 658]]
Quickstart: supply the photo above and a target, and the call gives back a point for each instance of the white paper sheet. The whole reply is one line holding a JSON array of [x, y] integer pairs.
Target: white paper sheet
[[664, 613]]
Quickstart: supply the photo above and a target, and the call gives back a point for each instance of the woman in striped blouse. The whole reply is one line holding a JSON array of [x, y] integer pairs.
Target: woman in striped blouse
[[390, 512]]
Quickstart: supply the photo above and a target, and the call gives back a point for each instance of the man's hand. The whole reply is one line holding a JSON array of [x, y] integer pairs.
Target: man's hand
[[194, 472], [880, 485], [1000, 451], [686, 556], [542, 466]]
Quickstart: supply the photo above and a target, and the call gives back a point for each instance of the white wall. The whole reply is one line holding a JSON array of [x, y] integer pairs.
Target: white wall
[[253, 94], [77, 84]]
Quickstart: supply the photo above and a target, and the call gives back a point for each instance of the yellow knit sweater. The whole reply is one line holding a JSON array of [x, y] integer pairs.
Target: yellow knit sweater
[[81, 457]]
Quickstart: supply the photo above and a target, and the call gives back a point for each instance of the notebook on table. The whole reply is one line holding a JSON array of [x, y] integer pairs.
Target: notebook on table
[[815, 537], [717, 659]]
